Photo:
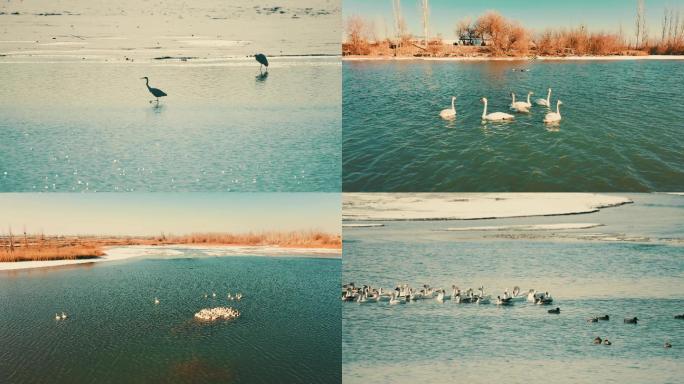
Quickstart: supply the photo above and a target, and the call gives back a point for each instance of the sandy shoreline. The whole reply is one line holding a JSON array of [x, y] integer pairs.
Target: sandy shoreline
[[529, 59], [170, 251]]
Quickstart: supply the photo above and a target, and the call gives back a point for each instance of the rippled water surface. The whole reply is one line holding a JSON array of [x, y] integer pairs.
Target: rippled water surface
[[115, 333], [90, 126], [428, 341], [621, 127]]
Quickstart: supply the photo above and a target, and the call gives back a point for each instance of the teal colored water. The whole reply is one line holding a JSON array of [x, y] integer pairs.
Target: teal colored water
[[428, 341], [90, 127], [288, 331], [621, 127]]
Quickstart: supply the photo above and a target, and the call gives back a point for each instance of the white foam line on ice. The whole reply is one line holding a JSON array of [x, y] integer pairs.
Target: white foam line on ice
[[470, 206], [531, 227]]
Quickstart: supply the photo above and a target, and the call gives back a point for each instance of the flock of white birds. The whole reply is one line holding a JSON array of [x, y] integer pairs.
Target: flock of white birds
[[516, 106]]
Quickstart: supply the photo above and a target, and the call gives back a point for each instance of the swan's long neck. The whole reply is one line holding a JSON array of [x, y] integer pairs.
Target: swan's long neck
[[528, 97], [484, 112], [548, 96], [453, 104], [558, 108], [513, 96]]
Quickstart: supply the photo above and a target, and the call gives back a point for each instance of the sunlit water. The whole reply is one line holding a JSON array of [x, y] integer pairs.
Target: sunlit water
[[427, 341], [621, 128], [91, 127], [289, 329]]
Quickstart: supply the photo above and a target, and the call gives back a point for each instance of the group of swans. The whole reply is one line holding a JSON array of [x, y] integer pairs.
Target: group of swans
[[517, 106], [237, 297], [403, 294], [63, 316]]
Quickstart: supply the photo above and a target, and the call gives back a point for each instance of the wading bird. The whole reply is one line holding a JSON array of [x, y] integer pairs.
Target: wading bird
[[261, 58], [157, 93]]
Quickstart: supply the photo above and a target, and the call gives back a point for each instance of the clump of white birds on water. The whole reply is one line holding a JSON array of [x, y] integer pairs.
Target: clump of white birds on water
[[550, 117], [63, 316], [403, 294], [206, 314], [217, 313]]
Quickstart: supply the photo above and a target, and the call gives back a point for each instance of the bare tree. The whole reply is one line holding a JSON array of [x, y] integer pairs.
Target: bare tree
[[641, 30], [357, 35]]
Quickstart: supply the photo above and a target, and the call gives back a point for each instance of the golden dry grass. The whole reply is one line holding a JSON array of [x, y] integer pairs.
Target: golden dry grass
[[41, 248], [505, 37]]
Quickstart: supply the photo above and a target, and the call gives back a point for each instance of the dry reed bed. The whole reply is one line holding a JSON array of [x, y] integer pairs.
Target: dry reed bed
[[506, 37], [40, 248]]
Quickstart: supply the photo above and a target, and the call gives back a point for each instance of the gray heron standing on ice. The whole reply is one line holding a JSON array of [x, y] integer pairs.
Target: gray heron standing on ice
[[156, 92], [261, 58]]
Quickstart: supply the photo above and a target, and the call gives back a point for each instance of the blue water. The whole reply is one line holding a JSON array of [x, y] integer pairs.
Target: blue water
[[90, 127], [116, 334], [621, 128], [436, 342]]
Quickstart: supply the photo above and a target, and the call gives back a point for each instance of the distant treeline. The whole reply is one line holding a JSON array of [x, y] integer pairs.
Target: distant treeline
[[491, 34]]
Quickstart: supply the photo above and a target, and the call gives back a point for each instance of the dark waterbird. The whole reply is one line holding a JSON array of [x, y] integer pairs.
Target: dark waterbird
[[604, 317], [154, 91], [633, 320], [556, 311], [261, 58]]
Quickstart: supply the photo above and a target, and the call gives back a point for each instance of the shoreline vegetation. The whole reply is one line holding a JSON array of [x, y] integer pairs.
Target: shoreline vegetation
[[491, 35], [32, 247]]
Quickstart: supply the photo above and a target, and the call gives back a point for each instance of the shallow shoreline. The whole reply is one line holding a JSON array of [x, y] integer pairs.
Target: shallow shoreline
[[529, 59], [120, 253]]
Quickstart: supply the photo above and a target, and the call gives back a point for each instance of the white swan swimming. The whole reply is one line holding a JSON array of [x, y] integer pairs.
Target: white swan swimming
[[58, 317], [521, 106], [545, 102], [440, 296], [494, 116], [554, 117], [156, 301], [362, 299], [64, 316], [395, 300], [449, 113], [500, 301]]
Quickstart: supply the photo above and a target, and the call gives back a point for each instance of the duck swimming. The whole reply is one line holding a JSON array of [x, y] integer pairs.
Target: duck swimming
[[668, 345], [607, 342], [633, 320], [597, 340], [679, 316], [592, 320], [556, 311], [604, 317]]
